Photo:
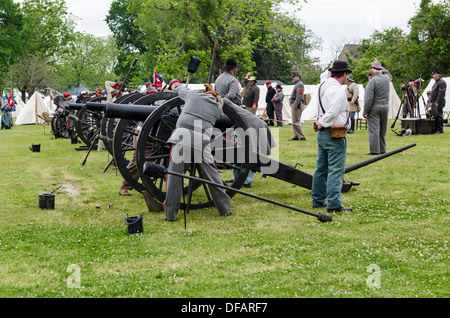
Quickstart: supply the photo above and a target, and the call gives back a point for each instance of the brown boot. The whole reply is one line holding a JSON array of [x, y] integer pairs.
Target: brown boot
[[124, 192]]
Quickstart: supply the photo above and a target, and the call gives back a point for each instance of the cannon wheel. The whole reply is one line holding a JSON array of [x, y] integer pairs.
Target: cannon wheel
[[61, 126], [152, 149], [89, 122], [124, 131]]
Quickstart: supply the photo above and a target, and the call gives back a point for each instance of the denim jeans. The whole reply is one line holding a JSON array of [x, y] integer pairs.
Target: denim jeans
[[249, 179], [329, 173]]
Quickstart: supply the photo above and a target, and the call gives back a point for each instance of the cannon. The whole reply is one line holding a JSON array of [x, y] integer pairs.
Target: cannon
[[152, 147]]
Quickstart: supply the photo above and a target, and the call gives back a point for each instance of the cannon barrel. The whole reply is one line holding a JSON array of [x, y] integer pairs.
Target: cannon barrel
[[76, 106], [131, 112], [141, 113], [377, 158]]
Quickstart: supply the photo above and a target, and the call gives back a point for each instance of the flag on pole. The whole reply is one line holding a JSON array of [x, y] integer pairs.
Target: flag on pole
[[158, 80], [11, 102]]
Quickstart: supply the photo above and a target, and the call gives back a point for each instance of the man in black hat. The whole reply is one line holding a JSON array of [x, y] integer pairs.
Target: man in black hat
[[227, 84], [332, 152], [438, 102]]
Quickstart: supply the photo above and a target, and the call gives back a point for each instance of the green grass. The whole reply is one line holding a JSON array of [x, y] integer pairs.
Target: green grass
[[400, 223]]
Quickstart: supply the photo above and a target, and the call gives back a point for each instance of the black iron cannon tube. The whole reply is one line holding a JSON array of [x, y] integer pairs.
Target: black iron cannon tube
[[375, 159]]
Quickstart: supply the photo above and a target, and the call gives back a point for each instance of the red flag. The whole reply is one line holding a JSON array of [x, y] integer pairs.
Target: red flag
[[11, 101], [158, 80]]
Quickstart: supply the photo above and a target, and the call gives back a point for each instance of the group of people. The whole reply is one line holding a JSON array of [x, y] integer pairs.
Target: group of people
[[337, 109]]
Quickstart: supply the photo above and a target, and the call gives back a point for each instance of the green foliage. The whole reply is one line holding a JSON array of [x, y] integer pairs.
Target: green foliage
[[409, 56], [11, 23], [87, 63]]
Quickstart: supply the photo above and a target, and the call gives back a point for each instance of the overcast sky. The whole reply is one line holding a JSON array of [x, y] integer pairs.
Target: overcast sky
[[332, 20]]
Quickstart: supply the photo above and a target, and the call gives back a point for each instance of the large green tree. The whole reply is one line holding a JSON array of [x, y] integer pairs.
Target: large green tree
[[88, 62], [410, 55], [177, 29], [11, 23]]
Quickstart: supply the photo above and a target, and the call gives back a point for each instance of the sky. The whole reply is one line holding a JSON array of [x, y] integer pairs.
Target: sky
[[335, 22]]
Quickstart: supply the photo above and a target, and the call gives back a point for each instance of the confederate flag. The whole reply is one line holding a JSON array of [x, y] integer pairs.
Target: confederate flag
[[158, 80]]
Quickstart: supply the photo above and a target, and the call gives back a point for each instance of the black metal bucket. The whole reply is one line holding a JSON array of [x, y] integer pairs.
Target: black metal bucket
[[135, 224], [36, 148], [47, 201]]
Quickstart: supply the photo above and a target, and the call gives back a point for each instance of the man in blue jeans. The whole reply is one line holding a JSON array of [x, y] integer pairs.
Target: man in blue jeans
[[331, 156]]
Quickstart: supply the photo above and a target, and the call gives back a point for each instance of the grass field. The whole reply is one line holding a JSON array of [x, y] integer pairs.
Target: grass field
[[394, 243]]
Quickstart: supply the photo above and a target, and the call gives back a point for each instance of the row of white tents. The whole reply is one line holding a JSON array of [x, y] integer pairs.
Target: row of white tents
[[32, 111]]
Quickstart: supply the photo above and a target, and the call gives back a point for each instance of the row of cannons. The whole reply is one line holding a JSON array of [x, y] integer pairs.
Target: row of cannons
[[116, 125]]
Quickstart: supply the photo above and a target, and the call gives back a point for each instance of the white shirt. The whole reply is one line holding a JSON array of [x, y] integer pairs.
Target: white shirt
[[335, 104]]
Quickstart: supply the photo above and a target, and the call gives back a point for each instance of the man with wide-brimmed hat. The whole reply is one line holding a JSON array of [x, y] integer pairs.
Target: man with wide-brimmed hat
[[332, 152], [251, 94], [227, 84], [438, 102], [376, 107]]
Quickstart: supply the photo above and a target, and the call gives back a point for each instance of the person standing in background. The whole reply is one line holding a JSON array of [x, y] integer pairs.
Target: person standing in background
[[269, 103], [376, 108]]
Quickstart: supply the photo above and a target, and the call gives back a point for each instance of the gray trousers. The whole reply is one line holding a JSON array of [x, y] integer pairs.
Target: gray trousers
[[378, 122], [296, 125], [180, 161]]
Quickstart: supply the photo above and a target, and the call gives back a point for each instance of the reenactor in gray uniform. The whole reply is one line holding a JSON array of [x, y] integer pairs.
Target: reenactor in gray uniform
[[438, 102], [190, 144], [297, 106], [227, 84], [376, 108]]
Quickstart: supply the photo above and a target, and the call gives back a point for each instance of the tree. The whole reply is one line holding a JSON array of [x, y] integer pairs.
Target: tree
[[88, 62], [175, 30], [429, 39], [30, 73], [11, 23], [48, 27]]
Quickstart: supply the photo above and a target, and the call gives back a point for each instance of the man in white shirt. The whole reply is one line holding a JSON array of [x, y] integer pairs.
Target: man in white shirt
[[332, 153]]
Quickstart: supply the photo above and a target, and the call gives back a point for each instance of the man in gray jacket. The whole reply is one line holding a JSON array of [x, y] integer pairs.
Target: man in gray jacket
[[297, 106], [190, 144], [376, 107], [227, 84]]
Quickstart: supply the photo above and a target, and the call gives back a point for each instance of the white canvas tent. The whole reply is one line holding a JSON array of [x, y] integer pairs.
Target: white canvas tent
[[20, 105], [447, 94], [33, 109], [49, 102]]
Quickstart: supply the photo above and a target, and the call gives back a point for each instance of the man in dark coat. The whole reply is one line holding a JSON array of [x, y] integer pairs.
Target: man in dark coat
[[269, 104], [438, 102]]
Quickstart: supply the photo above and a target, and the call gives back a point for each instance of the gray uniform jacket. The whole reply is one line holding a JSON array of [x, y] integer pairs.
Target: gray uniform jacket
[[279, 96], [377, 91], [200, 113], [251, 95], [228, 87], [297, 94]]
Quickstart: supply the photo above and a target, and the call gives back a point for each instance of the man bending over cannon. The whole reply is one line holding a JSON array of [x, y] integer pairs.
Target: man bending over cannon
[[190, 142]]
